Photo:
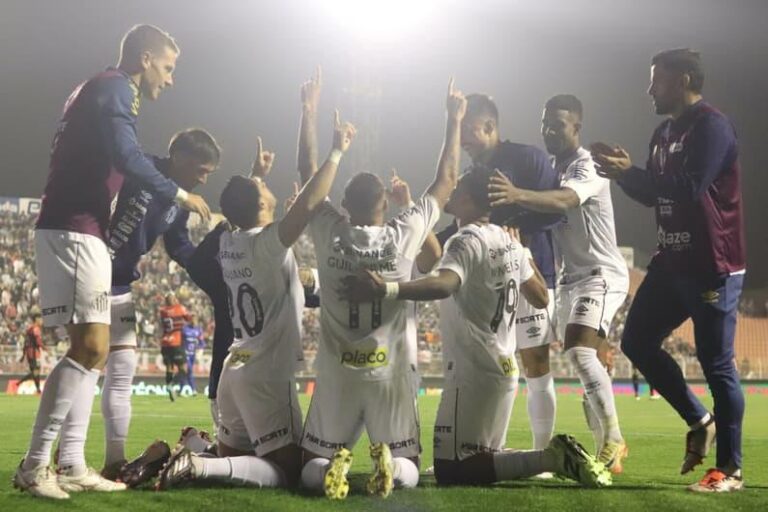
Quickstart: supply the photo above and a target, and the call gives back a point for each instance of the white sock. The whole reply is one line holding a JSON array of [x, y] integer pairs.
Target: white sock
[[513, 465], [60, 390], [593, 422], [405, 473], [598, 389], [215, 414], [74, 431], [196, 444], [116, 402], [244, 470], [313, 474], [541, 409]]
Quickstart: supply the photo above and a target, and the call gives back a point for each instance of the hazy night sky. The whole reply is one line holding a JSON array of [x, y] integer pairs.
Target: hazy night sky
[[241, 65]]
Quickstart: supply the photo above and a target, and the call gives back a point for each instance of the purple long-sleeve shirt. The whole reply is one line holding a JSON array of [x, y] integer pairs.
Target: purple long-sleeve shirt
[[94, 147], [693, 179]]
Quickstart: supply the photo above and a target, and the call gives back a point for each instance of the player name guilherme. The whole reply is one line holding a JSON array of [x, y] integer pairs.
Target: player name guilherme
[[350, 266]]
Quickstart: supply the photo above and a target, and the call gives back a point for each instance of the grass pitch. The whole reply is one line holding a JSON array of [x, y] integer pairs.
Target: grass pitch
[[651, 480]]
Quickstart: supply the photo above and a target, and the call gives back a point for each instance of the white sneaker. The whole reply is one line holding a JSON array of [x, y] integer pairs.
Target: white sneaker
[[544, 476], [39, 481], [91, 480]]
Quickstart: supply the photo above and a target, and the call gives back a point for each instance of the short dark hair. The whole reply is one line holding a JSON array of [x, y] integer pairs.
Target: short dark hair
[[142, 38], [239, 201], [363, 191], [684, 61], [476, 181], [196, 143], [567, 102], [482, 104]]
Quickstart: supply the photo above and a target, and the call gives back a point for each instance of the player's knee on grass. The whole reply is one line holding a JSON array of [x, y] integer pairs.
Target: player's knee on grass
[[535, 361], [89, 344], [475, 470]]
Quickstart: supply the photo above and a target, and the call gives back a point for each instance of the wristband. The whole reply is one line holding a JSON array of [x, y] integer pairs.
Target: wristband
[[181, 195], [335, 156], [527, 253], [392, 290]]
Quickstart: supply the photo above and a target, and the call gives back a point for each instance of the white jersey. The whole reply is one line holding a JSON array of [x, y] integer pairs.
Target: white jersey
[[265, 301], [586, 241], [478, 321], [367, 340]]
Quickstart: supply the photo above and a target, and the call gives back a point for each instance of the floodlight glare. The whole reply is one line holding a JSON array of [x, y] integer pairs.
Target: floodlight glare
[[382, 21]]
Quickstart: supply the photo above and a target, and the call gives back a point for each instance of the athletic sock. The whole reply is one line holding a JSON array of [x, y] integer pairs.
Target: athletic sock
[[593, 422], [598, 389], [244, 470], [60, 391], [405, 473], [542, 405], [513, 465], [313, 474], [74, 431], [116, 402]]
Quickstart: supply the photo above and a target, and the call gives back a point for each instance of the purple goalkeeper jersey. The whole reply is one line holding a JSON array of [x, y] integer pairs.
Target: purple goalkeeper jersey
[[693, 180], [94, 146]]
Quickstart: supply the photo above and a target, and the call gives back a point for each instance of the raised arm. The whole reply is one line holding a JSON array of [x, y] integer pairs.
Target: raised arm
[[306, 157], [317, 187], [400, 195], [450, 157]]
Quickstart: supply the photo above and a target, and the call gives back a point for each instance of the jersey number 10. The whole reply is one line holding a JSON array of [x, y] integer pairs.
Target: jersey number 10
[[249, 310]]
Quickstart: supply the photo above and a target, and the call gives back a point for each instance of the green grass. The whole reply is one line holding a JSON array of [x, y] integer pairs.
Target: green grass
[[651, 480]]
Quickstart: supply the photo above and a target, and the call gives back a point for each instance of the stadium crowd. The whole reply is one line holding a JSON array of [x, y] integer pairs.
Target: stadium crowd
[[18, 295]]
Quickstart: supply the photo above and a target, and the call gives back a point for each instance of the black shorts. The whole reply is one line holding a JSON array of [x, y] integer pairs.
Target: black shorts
[[173, 356], [33, 364]]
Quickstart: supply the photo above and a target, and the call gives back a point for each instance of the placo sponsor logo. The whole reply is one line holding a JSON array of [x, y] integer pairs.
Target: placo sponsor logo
[[365, 359], [508, 366]]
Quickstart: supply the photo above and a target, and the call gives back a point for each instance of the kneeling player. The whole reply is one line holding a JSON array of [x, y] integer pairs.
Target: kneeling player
[[481, 276], [258, 405], [365, 373]]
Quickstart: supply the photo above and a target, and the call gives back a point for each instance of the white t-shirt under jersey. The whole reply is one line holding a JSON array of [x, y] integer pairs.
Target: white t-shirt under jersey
[[367, 340], [478, 321], [586, 241], [265, 301]]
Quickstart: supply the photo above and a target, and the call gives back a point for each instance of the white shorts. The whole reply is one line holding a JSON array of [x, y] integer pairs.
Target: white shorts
[[74, 274], [592, 302], [122, 330], [254, 414], [342, 406], [534, 327], [472, 419]]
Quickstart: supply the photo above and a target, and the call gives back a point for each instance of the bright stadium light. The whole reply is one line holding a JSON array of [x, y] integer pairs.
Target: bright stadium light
[[382, 20]]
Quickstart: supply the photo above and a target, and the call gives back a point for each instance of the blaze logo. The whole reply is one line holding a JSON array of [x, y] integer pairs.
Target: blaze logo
[[581, 310], [365, 359], [508, 366], [533, 331]]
